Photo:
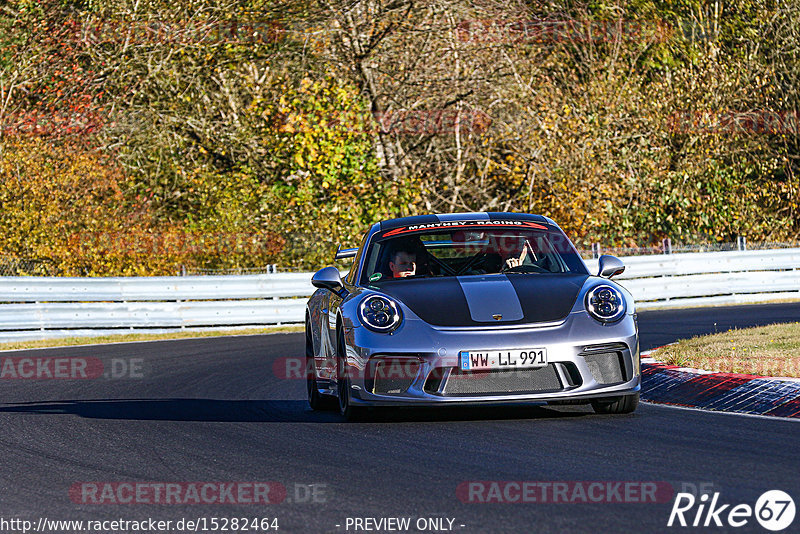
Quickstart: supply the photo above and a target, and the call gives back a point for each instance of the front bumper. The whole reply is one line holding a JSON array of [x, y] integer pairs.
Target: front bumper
[[427, 360]]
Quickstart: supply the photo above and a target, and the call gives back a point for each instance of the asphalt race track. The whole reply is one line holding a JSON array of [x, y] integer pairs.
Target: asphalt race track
[[213, 410]]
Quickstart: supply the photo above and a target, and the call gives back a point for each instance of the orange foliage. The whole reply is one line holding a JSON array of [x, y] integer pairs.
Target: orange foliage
[[66, 204]]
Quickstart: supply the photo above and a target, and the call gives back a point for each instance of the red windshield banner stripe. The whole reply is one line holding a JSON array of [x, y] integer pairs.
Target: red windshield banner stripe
[[478, 224]]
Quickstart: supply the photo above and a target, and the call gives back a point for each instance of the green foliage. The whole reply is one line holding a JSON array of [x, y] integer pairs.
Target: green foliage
[[327, 191]]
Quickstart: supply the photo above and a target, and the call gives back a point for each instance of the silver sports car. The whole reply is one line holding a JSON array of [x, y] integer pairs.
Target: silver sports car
[[470, 308]]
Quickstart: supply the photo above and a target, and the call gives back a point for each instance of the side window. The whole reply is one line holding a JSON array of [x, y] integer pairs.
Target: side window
[[351, 276], [370, 262]]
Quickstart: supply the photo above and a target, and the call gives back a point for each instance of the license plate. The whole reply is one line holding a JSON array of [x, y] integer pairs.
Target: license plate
[[502, 359]]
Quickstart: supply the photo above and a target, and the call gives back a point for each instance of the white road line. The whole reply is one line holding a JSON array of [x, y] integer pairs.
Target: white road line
[[693, 409]]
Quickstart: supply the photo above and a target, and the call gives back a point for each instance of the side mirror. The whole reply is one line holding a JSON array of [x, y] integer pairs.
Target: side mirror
[[609, 266], [328, 278]]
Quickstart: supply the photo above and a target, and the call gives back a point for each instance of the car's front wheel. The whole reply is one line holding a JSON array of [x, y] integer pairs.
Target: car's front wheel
[[316, 400], [346, 407], [616, 405]]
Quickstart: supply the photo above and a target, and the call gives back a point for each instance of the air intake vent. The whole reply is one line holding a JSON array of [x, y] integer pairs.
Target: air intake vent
[[394, 376], [606, 367]]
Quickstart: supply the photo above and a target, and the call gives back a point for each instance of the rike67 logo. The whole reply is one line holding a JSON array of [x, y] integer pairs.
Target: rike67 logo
[[774, 510]]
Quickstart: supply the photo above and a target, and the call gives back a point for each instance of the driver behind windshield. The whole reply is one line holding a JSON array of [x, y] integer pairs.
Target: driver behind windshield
[[504, 252], [403, 263], [513, 251]]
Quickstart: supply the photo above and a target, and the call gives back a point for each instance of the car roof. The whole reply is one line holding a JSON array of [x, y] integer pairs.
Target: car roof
[[475, 216]]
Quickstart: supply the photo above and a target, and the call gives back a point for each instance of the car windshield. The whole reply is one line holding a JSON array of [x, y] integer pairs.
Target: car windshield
[[534, 249]]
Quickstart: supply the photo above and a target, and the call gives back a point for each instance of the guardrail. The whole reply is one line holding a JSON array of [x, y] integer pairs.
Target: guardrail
[[40, 307], [708, 278], [43, 307]]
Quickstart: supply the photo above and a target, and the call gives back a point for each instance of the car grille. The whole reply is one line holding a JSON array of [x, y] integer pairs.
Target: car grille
[[502, 382]]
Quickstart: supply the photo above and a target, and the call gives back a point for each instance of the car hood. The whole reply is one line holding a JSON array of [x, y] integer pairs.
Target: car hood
[[488, 299]]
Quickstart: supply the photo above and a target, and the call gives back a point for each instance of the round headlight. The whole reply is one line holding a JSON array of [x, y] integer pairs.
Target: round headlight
[[605, 303], [380, 313]]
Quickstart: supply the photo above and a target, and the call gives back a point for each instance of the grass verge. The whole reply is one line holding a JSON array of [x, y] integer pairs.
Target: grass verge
[[772, 350], [124, 338]]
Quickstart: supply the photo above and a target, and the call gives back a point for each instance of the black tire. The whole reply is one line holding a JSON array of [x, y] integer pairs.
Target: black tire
[[316, 400], [346, 407], [616, 405]]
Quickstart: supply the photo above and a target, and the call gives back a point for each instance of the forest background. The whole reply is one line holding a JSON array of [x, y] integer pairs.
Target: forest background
[[143, 137]]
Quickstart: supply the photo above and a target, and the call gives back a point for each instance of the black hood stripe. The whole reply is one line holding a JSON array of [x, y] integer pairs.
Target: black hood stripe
[[547, 297], [443, 302]]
